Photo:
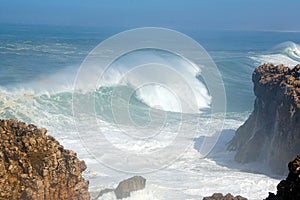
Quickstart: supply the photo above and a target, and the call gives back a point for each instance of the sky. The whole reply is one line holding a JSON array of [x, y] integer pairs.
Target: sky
[[280, 15]]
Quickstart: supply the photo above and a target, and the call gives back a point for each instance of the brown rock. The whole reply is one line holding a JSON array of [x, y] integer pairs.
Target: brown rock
[[289, 189], [219, 196], [271, 133], [31, 167], [129, 185]]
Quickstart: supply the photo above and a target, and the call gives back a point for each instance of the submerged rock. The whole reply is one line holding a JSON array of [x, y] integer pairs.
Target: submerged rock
[[125, 187], [219, 196], [289, 189], [272, 132], [129, 185], [35, 166]]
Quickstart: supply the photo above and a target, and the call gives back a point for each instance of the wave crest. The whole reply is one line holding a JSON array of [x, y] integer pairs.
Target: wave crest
[[290, 49], [167, 91], [286, 53]]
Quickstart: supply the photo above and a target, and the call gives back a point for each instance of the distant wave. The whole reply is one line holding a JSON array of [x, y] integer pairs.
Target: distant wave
[[287, 53], [290, 49], [31, 47]]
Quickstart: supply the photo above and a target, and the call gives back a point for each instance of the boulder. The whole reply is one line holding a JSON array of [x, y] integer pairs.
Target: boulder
[[127, 186], [219, 196], [35, 166]]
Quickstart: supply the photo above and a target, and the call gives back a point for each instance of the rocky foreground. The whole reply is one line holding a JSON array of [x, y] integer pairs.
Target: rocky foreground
[[35, 166], [289, 189], [125, 187], [272, 132], [219, 196]]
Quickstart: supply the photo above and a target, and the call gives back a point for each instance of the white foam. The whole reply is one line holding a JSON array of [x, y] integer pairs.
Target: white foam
[[159, 97], [144, 194], [170, 70], [275, 59], [188, 177], [290, 49], [191, 177], [286, 53]]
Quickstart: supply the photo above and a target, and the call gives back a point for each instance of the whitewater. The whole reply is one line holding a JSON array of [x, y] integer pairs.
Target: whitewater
[[37, 86]]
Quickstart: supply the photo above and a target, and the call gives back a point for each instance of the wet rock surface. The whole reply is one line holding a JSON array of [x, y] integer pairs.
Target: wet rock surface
[[289, 189], [272, 132], [35, 166], [129, 185], [219, 196], [125, 187]]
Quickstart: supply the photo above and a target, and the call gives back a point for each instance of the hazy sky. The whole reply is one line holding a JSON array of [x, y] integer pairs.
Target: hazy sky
[[193, 14]]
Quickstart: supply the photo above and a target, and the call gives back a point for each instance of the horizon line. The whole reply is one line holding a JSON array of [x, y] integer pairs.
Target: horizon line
[[135, 26]]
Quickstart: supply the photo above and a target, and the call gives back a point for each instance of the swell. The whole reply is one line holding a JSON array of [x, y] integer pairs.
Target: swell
[[32, 106], [286, 53], [290, 49]]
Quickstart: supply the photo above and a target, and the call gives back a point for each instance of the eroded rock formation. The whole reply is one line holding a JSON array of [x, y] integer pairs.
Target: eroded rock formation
[[272, 132], [219, 196], [35, 166], [289, 189]]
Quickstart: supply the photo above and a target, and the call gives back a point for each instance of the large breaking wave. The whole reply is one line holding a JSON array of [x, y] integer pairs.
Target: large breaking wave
[[287, 53]]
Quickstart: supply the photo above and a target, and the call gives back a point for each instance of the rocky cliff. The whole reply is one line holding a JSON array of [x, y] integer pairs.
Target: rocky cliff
[[35, 166], [272, 132]]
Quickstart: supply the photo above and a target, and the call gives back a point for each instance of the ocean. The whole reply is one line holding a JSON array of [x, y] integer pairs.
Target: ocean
[[39, 68]]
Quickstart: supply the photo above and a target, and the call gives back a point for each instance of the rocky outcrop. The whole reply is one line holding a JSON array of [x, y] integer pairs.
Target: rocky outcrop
[[219, 196], [129, 185], [289, 189], [125, 187], [35, 166], [272, 132]]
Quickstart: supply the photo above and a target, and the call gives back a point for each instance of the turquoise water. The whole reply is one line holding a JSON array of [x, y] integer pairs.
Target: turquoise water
[[38, 67], [30, 52]]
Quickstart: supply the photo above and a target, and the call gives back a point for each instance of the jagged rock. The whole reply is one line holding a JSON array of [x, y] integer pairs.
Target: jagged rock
[[35, 166], [219, 196], [129, 185], [289, 189], [272, 132]]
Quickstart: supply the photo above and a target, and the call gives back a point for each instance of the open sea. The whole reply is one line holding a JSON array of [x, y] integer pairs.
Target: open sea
[[39, 66]]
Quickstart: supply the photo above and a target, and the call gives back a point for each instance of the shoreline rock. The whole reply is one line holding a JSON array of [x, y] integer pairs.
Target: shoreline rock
[[125, 187], [271, 133], [35, 166], [219, 196], [289, 189]]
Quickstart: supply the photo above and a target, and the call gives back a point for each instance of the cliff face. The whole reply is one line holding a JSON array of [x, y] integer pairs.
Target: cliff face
[[272, 132], [35, 166]]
